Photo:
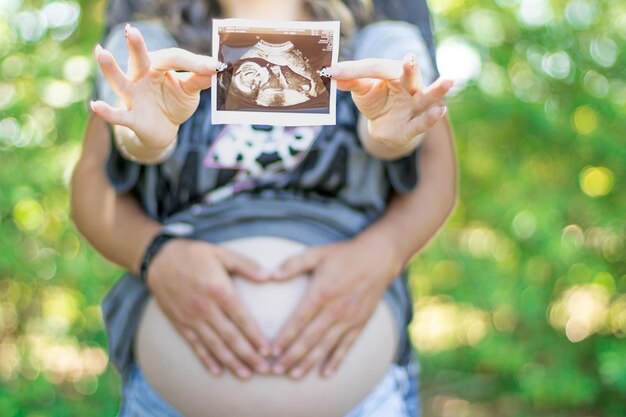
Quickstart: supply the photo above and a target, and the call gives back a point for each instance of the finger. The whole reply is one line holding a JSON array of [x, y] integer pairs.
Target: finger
[[216, 346], [207, 359], [305, 342], [320, 351], [182, 60], [431, 95], [297, 321], [138, 58], [112, 115], [232, 306], [424, 121], [336, 357], [411, 77], [193, 83], [302, 263], [241, 265], [359, 86], [236, 341], [379, 68], [111, 71], [438, 89]]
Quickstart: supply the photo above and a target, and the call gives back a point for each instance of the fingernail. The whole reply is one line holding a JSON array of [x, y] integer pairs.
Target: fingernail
[[278, 369], [276, 351], [98, 49], [221, 66], [244, 373], [91, 105], [327, 372], [215, 370], [444, 111], [437, 111], [263, 368], [296, 373], [326, 72], [265, 351], [413, 61]]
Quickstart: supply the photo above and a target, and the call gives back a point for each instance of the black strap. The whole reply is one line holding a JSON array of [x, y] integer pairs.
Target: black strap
[[153, 248]]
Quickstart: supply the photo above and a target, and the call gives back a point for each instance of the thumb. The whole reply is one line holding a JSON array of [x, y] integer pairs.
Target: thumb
[[296, 265], [241, 265], [113, 115], [194, 83], [360, 86]]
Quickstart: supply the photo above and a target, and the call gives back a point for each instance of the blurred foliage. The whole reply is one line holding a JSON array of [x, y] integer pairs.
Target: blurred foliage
[[53, 358], [520, 301]]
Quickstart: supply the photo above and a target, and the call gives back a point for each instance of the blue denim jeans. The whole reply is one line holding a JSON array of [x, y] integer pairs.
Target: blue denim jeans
[[396, 395]]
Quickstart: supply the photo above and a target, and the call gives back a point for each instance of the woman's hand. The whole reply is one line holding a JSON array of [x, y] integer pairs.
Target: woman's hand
[[191, 281], [156, 99], [346, 285], [390, 95]]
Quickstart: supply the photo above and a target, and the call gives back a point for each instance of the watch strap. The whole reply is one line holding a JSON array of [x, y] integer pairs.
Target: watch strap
[[168, 232], [153, 248]]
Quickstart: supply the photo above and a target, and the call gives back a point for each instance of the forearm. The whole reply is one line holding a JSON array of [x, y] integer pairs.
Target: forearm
[[114, 224], [413, 219]]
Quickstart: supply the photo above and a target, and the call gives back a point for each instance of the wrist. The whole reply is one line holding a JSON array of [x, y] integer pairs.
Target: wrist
[[154, 248], [163, 140], [132, 148], [404, 145], [386, 249], [381, 147], [158, 245]]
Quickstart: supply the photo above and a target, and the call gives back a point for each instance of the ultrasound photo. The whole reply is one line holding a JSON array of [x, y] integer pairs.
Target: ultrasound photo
[[273, 72]]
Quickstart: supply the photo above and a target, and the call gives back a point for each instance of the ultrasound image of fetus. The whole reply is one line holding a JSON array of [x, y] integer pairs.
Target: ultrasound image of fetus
[[272, 85], [249, 78], [274, 75]]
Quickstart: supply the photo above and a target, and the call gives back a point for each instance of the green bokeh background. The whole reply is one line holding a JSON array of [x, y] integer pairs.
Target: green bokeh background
[[520, 300]]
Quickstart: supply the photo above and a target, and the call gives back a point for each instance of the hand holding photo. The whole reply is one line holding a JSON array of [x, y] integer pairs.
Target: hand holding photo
[[274, 72]]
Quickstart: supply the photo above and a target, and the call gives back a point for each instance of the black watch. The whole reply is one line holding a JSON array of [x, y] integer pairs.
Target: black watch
[[169, 232]]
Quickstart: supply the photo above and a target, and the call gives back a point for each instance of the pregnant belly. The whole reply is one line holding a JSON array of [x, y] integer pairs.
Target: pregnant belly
[[172, 368]]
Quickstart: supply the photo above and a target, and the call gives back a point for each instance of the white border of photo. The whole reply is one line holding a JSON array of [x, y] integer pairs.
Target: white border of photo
[[298, 118]]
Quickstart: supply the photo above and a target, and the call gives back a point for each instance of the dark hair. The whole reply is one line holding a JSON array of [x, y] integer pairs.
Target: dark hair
[[189, 21]]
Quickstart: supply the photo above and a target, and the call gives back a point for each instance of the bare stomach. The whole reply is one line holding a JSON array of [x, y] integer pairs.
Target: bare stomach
[[172, 368]]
